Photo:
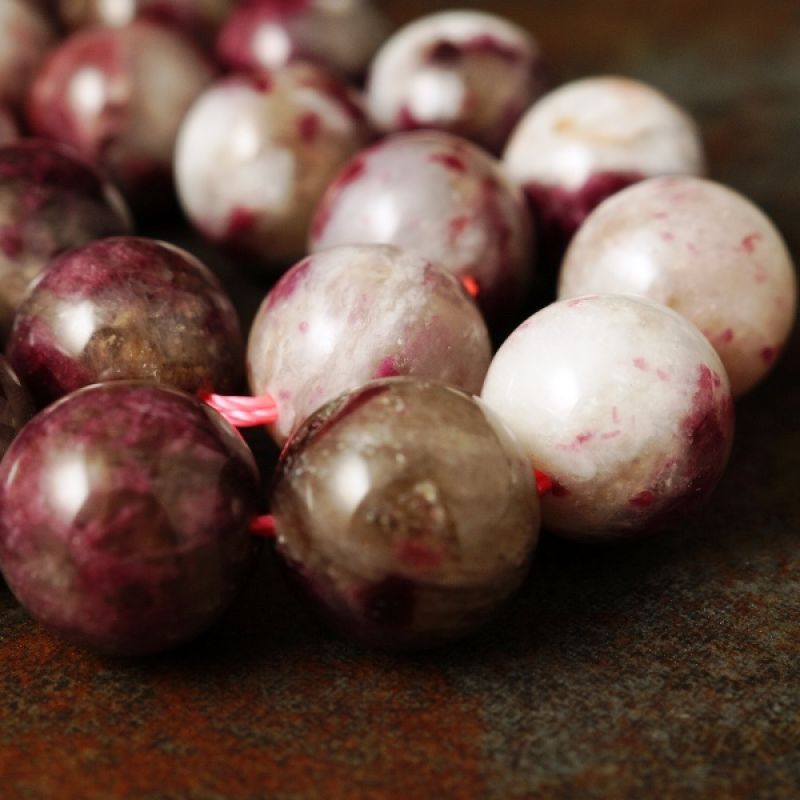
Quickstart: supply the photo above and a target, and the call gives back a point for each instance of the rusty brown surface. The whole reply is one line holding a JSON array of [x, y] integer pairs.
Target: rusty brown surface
[[667, 668]]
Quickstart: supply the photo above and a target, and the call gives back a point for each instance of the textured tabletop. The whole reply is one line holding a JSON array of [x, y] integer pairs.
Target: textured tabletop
[[664, 668]]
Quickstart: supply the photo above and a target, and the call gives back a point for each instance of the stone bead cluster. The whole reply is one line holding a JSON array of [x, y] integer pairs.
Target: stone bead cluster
[[405, 223]]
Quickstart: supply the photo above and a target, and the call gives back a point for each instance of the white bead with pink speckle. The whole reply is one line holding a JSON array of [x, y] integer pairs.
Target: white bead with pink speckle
[[347, 315], [623, 404], [592, 137], [703, 250], [256, 153], [439, 196], [466, 72]]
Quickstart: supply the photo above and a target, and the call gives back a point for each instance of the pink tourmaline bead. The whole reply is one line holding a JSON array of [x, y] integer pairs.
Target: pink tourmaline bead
[[118, 95], [466, 72], [25, 36], [126, 517], [623, 404], [268, 34], [350, 314], [255, 155], [51, 200], [439, 196], [703, 250], [589, 139]]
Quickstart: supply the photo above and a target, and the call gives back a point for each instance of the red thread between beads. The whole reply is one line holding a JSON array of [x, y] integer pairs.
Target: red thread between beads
[[263, 526], [471, 285], [544, 483], [244, 412]]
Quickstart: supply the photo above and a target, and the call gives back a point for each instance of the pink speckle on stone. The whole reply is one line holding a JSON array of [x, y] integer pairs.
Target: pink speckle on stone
[[643, 499], [750, 242], [240, 221], [387, 369], [309, 126], [289, 283], [663, 375], [450, 161], [640, 363], [303, 326]]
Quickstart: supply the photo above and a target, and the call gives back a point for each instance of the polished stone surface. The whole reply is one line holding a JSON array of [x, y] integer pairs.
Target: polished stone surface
[[704, 251], [348, 315]]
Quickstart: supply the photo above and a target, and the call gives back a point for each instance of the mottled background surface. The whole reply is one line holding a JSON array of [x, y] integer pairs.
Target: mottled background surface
[[667, 668]]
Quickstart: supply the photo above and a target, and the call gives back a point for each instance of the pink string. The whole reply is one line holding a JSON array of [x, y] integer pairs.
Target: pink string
[[544, 483], [243, 412], [471, 285]]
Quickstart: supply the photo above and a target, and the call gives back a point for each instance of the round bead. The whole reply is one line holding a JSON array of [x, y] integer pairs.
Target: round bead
[[126, 308], [443, 198], [50, 201], [255, 155], [406, 512], [593, 137], [466, 72], [701, 249], [125, 517], [25, 36], [268, 34], [196, 17], [347, 315], [118, 95], [8, 126], [16, 407], [623, 404]]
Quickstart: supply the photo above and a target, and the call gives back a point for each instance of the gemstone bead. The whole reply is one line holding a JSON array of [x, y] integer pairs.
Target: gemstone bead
[[50, 201], [126, 308], [118, 95], [703, 250], [443, 198], [466, 72], [255, 155], [406, 513], [622, 404], [347, 315], [588, 139], [125, 517]]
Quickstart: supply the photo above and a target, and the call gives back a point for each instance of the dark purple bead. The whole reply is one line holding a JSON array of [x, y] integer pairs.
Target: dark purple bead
[[50, 201], [16, 407], [126, 308], [125, 517]]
